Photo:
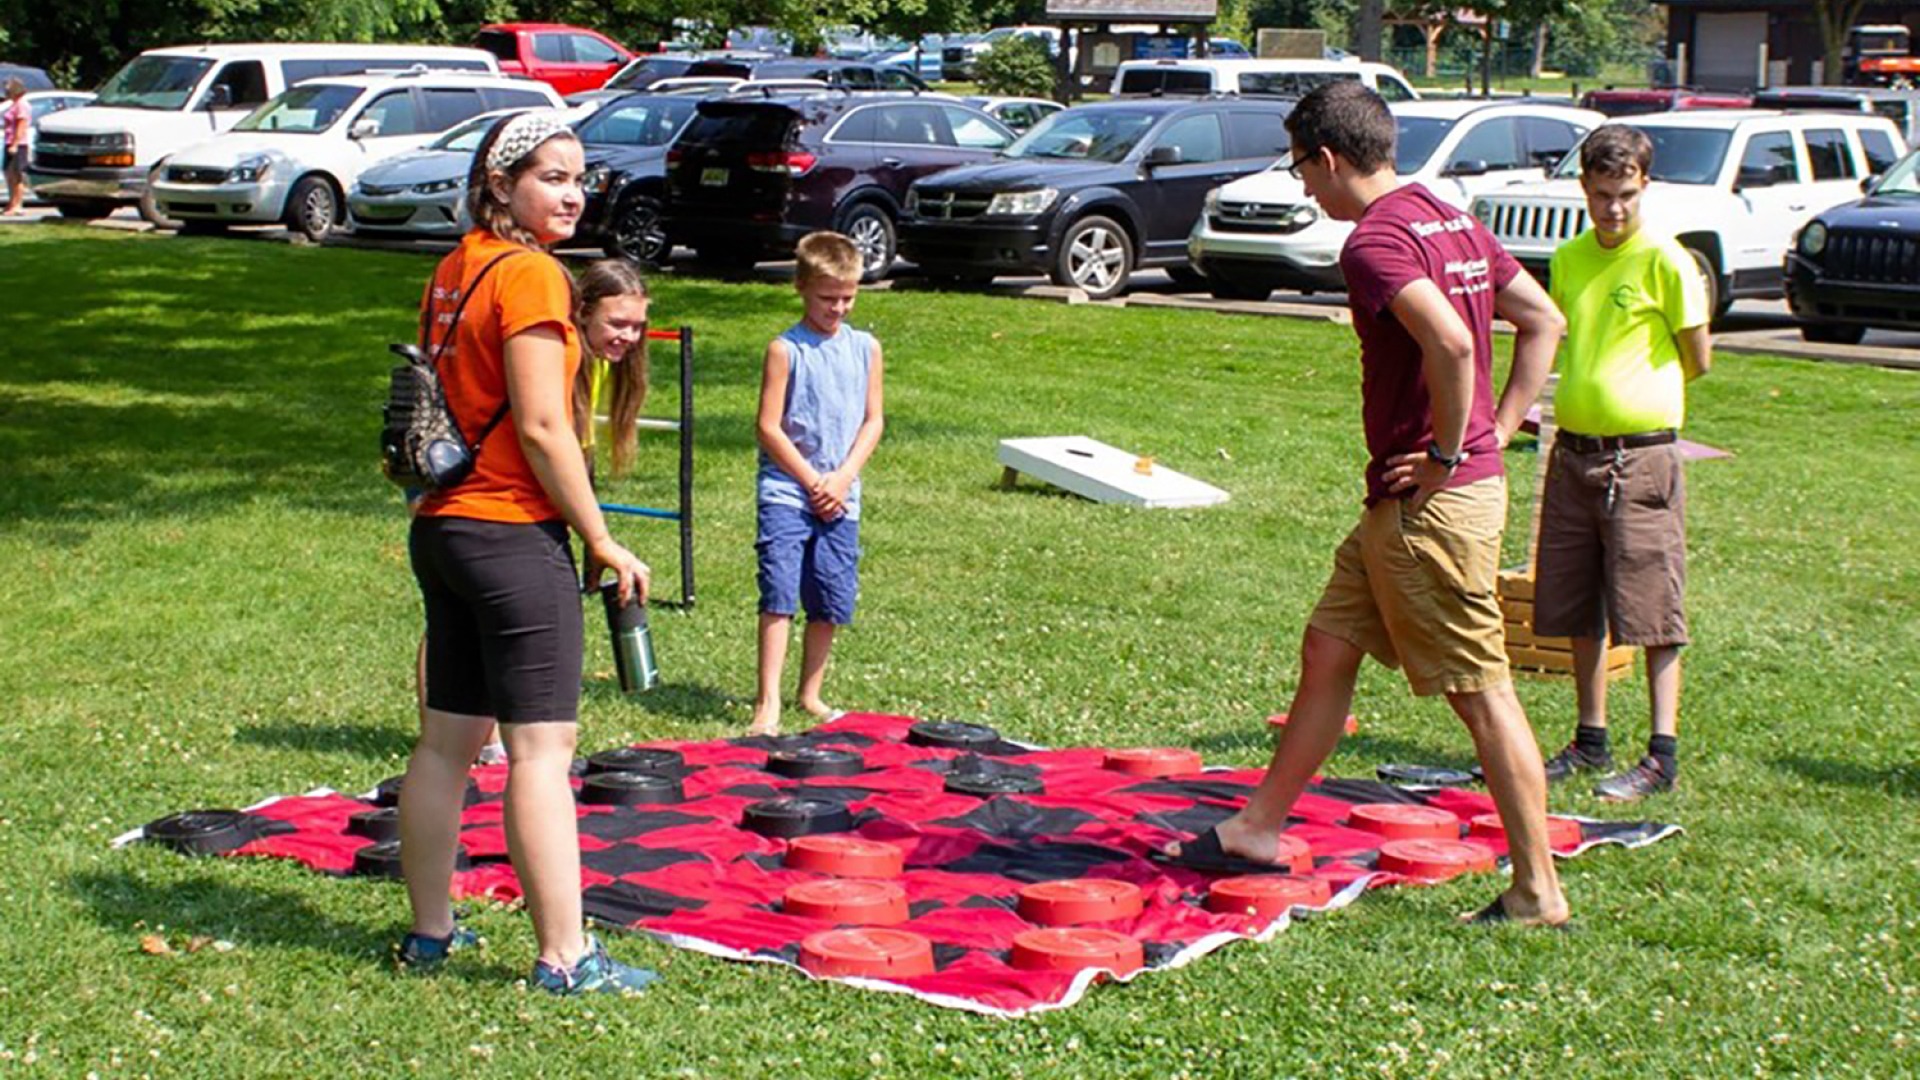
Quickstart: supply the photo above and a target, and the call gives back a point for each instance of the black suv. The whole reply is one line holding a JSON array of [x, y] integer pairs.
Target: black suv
[[839, 74], [626, 144], [1858, 264], [749, 177], [1092, 193]]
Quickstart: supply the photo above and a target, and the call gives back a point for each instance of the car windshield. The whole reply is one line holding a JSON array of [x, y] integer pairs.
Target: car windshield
[[154, 82], [1417, 138], [638, 123], [1680, 155], [303, 110], [1098, 135], [1903, 179], [646, 68], [466, 138]]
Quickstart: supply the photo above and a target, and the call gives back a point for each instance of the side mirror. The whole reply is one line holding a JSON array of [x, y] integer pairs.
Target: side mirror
[[1870, 184], [1163, 155], [219, 96], [1468, 167], [364, 128], [1752, 176]]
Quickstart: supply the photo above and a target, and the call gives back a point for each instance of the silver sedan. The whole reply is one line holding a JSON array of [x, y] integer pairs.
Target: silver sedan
[[422, 192]]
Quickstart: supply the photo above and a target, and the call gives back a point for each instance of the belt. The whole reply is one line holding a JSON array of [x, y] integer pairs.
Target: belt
[[1598, 444]]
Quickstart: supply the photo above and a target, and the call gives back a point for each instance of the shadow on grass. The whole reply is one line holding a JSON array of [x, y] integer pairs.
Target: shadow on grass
[[1903, 780], [695, 704], [243, 914], [378, 742]]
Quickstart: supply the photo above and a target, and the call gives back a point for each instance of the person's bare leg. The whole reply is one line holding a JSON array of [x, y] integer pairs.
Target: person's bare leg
[[1517, 780], [1315, 721], [543, 835], [815, 643], [1663, 688], [430, 800], [1590, 680], [773, 660]]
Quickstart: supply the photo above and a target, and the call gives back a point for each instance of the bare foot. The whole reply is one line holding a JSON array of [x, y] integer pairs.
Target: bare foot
[[1243, 840], [766, 719], [819, 710], [1510, 908]]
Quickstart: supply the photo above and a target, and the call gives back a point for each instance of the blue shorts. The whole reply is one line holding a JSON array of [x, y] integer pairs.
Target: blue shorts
[[804, 560]]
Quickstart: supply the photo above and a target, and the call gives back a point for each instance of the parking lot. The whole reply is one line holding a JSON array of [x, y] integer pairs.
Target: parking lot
[[1754, 326]]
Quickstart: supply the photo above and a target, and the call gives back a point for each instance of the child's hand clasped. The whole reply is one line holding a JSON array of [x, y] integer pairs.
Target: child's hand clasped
[[828, 495]]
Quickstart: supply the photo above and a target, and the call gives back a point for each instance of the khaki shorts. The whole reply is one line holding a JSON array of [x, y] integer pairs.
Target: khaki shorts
[[1616, 571], [1416, 589]]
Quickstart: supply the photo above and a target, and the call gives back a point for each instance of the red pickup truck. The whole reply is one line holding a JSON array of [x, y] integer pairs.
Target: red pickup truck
[[568, 58]]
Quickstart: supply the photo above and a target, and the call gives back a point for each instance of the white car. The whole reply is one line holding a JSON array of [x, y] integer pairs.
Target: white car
[[294, 158], [1263, 232], [1254, 75], [1732, 185]]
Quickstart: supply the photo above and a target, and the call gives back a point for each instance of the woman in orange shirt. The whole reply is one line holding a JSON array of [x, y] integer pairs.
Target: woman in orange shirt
[[504, 626]]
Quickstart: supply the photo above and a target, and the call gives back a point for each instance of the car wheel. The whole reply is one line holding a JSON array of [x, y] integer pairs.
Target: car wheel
[[639, 233], [313, 209], [83, 209], [1186, 276], [871, 230], [1095, 256], [1717, 300], [1222, 289], [150, 207], [1833, 333]]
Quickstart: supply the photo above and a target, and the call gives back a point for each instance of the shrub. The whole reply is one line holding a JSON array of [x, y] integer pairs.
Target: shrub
[[1016, 67]]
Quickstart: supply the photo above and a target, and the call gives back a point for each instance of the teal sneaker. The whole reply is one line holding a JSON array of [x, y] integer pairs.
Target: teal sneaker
[[594, 973], [418, 952]]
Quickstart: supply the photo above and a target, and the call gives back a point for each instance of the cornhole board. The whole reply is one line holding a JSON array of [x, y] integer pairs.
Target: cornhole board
[[1093, 470]]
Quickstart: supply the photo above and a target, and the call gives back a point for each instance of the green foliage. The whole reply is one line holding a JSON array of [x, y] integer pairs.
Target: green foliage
[[1017, 66]]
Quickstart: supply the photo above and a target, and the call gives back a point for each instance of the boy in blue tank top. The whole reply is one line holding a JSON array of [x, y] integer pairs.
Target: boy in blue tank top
[[820, 418]]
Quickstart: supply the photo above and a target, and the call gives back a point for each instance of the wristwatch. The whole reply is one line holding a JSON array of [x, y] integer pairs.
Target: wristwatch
[[1450, 463]]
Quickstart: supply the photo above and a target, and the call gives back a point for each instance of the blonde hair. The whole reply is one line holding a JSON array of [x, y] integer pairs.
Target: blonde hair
[[602, 281], [826, 255], [16, 88], [486, 209]]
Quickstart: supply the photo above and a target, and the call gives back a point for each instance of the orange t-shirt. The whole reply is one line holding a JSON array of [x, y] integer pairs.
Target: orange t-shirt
[[527, 290]]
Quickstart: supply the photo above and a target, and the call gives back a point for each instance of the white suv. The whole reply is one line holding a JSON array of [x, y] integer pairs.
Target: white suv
[[294, 158], [1733, 186], [1263, 232]]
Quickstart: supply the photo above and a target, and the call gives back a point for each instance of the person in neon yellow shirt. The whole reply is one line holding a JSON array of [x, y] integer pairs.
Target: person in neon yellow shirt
[[1612, 556]]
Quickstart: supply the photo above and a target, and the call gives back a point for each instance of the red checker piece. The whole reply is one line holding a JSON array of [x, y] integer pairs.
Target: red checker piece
[[845, 856], [1266, 895], [1561, 832], [1434, 860], [1405, 821], [868, 903], [867, 952], [1279, 719], [1082, 900], [1152, 761], [1076, 949]]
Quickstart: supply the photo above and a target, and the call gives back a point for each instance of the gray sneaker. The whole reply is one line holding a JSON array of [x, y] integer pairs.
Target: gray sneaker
[[1645, 778], [1575, 760], [594, 973]]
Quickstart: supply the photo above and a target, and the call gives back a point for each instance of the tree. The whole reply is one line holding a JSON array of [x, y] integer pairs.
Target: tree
[[1836, 17], [1017, 66]]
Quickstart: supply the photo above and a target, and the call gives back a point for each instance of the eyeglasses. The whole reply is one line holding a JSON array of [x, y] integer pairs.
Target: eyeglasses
[[1300, 162]]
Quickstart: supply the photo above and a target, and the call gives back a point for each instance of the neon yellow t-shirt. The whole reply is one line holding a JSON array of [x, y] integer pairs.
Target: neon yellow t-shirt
[[1620, 370], [596, 397]]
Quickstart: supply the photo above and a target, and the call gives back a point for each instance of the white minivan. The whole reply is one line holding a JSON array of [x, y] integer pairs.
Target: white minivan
[[1284, 78], [90, 160], [294, 159]]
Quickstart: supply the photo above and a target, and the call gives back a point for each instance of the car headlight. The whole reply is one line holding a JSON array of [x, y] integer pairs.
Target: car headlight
[[1022, 202], [1299, 216], [1813, 239], [435, 187], [251, 171], [594, 181], [1212, 201], [115, 140], [913, 201]]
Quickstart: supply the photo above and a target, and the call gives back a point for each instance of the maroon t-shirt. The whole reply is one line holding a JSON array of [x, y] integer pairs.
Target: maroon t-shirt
[[1403, 237]]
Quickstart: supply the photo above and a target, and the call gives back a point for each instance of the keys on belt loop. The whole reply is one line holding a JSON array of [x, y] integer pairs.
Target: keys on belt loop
[[1614, 463]]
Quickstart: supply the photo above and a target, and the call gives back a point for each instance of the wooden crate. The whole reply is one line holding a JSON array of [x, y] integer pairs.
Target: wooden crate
[[1544, 657]]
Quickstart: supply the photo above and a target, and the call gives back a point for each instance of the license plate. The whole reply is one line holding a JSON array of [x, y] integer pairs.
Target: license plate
[[713, 177]]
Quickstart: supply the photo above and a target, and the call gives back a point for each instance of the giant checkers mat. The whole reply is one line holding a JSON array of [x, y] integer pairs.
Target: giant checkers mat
[[934, 859]]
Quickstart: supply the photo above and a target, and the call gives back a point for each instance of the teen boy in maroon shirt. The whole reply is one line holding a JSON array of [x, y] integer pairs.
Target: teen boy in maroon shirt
[[1414, 583]]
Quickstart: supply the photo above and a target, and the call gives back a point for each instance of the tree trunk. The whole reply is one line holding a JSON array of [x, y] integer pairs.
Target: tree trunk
[[1835, 18], [1539, 65], [1369, 25]]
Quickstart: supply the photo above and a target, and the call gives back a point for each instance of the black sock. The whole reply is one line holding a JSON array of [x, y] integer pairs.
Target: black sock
[[1591, 742], [1664, 749]]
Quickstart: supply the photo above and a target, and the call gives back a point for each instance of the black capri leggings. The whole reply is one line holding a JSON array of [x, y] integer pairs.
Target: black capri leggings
[[503, 618]]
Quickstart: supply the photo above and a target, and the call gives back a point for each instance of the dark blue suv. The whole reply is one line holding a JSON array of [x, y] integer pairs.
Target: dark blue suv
[[1092, 193]]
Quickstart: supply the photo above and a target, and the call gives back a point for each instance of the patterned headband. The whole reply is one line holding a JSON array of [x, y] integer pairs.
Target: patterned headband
[[523, 135]]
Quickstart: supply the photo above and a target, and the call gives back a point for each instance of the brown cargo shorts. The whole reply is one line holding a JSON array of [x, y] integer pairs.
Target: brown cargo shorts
[[1416, 589], [1612, 561]]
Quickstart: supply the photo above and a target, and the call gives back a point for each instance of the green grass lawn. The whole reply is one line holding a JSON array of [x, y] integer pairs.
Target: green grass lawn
[[206, 601]]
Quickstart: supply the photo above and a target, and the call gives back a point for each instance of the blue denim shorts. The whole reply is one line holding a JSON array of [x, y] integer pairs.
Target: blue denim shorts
[[807, 561]]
